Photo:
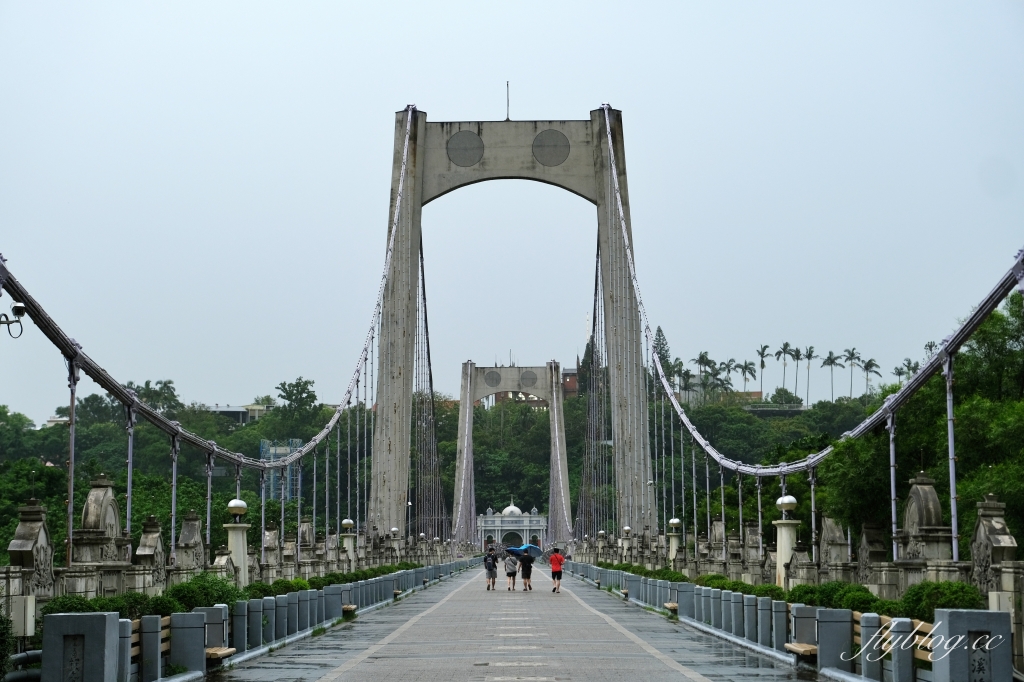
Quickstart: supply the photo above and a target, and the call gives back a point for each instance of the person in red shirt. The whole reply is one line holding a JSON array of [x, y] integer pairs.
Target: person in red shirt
[[556, 560]]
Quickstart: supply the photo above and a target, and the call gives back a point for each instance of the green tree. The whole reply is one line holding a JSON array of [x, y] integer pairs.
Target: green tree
[[852, 358], [762, 353], [832, 361], [797, 356], [661, 349], [809, 356], [748, 370], [784, 352], [869, 367]]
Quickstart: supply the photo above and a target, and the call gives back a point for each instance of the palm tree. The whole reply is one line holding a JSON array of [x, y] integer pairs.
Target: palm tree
[[797, 356], [809, 355], [762, 353], [784, 352], [910, 367], [728, 367], [748, 370], [899, 372], [686, 383], [851, 356], [869, 367], [833, 361]]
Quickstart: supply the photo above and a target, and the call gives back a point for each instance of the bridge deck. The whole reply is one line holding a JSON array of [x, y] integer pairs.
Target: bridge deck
[[460, 631]]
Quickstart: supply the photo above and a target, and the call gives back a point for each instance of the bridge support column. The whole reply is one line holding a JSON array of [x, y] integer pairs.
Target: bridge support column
[[625, 361], [464, 509], [389, 469]]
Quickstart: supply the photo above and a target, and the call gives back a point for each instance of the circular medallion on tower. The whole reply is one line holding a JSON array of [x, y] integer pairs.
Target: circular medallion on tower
[[528, 378], [551, 148], [492, 378], [465, 148]]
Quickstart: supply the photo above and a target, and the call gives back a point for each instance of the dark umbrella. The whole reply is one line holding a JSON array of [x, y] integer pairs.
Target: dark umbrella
[[532, 550]]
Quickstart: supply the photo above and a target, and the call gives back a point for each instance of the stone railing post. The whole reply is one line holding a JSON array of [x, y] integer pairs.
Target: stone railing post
[[805, 624], [716, 608], [321, 611], [151, 664], [240, 626], [737, 613], [685, 599], [80, 646], [750, 617], [293, 612], [254, 626], [124, 650], [303, 609], [780, 622], [870, 647], [986, 643], [269, 623], [726, 622], [764, 621], [835, 639], [333, 602], [188, 641], [902, 658], [281, 623]]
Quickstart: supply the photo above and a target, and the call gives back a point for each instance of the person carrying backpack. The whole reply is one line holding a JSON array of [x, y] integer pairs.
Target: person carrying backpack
[[556, 560], [491, 568]]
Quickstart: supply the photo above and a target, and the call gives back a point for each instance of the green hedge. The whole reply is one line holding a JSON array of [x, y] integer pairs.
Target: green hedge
[[363, 574], [658, 573], [204, 589], [920, 601], [131, 605]]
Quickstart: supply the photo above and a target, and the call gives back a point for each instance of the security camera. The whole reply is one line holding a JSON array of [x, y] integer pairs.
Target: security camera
[[18, 309]]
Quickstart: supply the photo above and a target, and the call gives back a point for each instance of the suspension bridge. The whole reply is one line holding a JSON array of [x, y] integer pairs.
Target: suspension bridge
[[385, 503]]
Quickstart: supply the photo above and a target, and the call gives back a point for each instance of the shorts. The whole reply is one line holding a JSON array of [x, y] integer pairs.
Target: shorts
[[510, 575], [527, 572], [492, 574], [556, 575]]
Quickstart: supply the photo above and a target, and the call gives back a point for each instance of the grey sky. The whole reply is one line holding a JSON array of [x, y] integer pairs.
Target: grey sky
[[199, 191]]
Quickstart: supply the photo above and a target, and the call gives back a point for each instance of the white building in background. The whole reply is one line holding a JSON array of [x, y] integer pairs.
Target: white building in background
[[512, 527]]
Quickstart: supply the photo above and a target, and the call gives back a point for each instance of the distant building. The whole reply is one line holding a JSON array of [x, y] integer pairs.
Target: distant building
[[512, 527], [570, 383], [55, 421], [240, 414]]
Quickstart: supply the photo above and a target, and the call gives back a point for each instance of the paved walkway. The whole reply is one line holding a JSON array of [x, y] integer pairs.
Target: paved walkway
[[459, 631]]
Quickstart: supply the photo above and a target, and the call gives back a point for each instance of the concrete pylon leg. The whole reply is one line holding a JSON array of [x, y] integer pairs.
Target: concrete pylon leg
[[632, 458], [389, 474], [464, 509], [559, 514]]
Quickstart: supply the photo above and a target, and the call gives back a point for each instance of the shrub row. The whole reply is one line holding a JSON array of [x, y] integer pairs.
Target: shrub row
[[658, 574], [919, 601], [205, 589]]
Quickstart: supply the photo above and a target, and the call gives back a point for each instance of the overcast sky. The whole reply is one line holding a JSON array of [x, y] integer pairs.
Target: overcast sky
[[199, 191]]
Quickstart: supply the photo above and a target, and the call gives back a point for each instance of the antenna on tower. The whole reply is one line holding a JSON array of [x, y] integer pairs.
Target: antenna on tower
[[506, 101]]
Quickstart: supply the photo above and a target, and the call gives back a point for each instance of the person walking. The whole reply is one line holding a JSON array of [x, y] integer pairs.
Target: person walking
[[526, 571], [511, 566], [491, 569], [556, 560]]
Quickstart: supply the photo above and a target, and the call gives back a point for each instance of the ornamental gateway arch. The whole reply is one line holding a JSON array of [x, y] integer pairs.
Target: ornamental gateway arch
[[442, 157]]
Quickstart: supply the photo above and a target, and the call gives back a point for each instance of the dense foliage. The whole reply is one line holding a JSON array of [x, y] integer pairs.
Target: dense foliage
[[512, 447]]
